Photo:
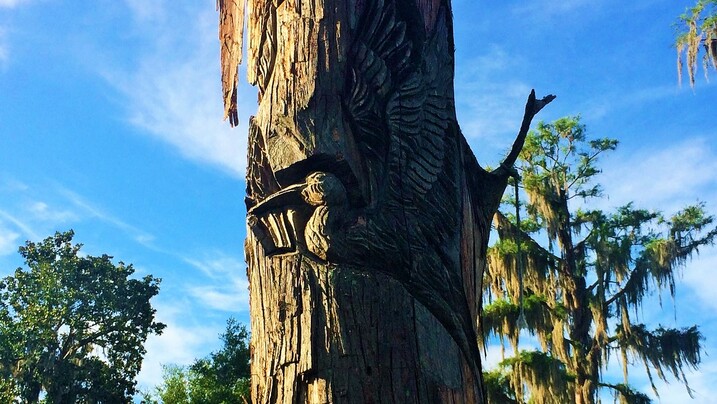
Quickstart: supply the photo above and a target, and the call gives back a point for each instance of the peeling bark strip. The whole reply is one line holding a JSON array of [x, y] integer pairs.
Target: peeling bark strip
[[369, 216], [231, 35]]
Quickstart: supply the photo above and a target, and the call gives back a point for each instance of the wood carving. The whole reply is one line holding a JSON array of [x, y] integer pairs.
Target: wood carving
[[368, 215]]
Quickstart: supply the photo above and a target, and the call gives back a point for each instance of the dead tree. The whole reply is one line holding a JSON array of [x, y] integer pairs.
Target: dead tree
[[368, 214]]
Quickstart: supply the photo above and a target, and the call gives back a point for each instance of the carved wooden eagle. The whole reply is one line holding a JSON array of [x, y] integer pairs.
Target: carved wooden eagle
[[403, 194]]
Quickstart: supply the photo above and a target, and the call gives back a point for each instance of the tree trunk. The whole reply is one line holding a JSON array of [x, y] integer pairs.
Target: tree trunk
[[368, 214]]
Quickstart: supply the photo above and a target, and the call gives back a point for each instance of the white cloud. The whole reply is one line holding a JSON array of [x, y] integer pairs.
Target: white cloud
[[233, 297], [91, 210], [4, 52], [548, 8], [190, 332], [8, 241], [218, 265], [700, 276], [665, 178], [489, 108], [12, 3], [702, 382], [493, 355], [229, 287], [56, 207], [147, 10], [601, 106], [493, 110], [21, 225], [9, 184], [173, 93], [42, 211], [179, 343]]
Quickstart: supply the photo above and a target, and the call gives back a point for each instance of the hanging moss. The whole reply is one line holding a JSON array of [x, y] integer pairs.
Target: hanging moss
[[664, 349], [627, 395], [698, 26], [498, 388], [539, 265], [607, 264], [546, 378]]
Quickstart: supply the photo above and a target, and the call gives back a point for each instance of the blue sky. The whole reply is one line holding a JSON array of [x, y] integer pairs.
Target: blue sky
[[110, 124]]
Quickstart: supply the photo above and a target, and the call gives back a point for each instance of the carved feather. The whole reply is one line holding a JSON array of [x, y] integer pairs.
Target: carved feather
[[418, 116], [379, 58]]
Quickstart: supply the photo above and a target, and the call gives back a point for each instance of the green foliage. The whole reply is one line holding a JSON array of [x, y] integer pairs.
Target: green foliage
[[546, 377], [174, 388], [222, 378], [500, 317], [605, 265], [664, 348], [627, 395], [697, 28], [73, 327], [498, 388]]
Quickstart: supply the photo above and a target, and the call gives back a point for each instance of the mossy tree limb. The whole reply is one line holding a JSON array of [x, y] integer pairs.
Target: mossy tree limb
[[587, 272]]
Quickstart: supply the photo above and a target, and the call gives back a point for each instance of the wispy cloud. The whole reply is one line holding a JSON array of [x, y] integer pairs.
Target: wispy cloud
[[20, 224], [89, 209], [180, 343], [12, 3], [702, 382], [8, 240], [489, 103], [4, 52], [188, 336], [229, 297], [173, 93], [42, 211], [602, 106], [34, 212], [144, 10], [229, 288], [700, 276], [548, 9], [24, 216], [9, 184], [663, 178]]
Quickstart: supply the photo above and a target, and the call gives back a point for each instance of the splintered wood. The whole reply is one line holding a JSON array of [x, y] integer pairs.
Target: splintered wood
[[368, 215], [231, 34]]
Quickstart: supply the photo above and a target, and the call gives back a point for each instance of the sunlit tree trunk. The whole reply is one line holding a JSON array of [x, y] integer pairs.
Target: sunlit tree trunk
[[368, 214]]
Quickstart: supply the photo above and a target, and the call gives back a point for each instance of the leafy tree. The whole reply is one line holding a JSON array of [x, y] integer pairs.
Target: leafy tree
[[174, 388], [72, 326], [697, 28], [222, 377], [579, 300]]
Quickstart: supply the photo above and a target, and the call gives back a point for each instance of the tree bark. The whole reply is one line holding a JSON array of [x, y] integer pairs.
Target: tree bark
[[369, 216]]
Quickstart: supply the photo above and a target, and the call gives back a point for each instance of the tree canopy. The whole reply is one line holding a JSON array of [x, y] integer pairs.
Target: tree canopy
[[585, 274], [221, 378], [697, 28], [73, 327]]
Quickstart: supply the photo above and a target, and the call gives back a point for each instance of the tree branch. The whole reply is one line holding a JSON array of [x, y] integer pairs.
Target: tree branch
[[532, 107], [632, 278], [525, 238]]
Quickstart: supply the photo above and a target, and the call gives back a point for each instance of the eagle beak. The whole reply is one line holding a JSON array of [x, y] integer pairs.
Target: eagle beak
[[289, 196]]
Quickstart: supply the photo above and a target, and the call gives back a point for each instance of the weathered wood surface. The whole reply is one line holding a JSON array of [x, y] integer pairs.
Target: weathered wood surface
[[368, 214]]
